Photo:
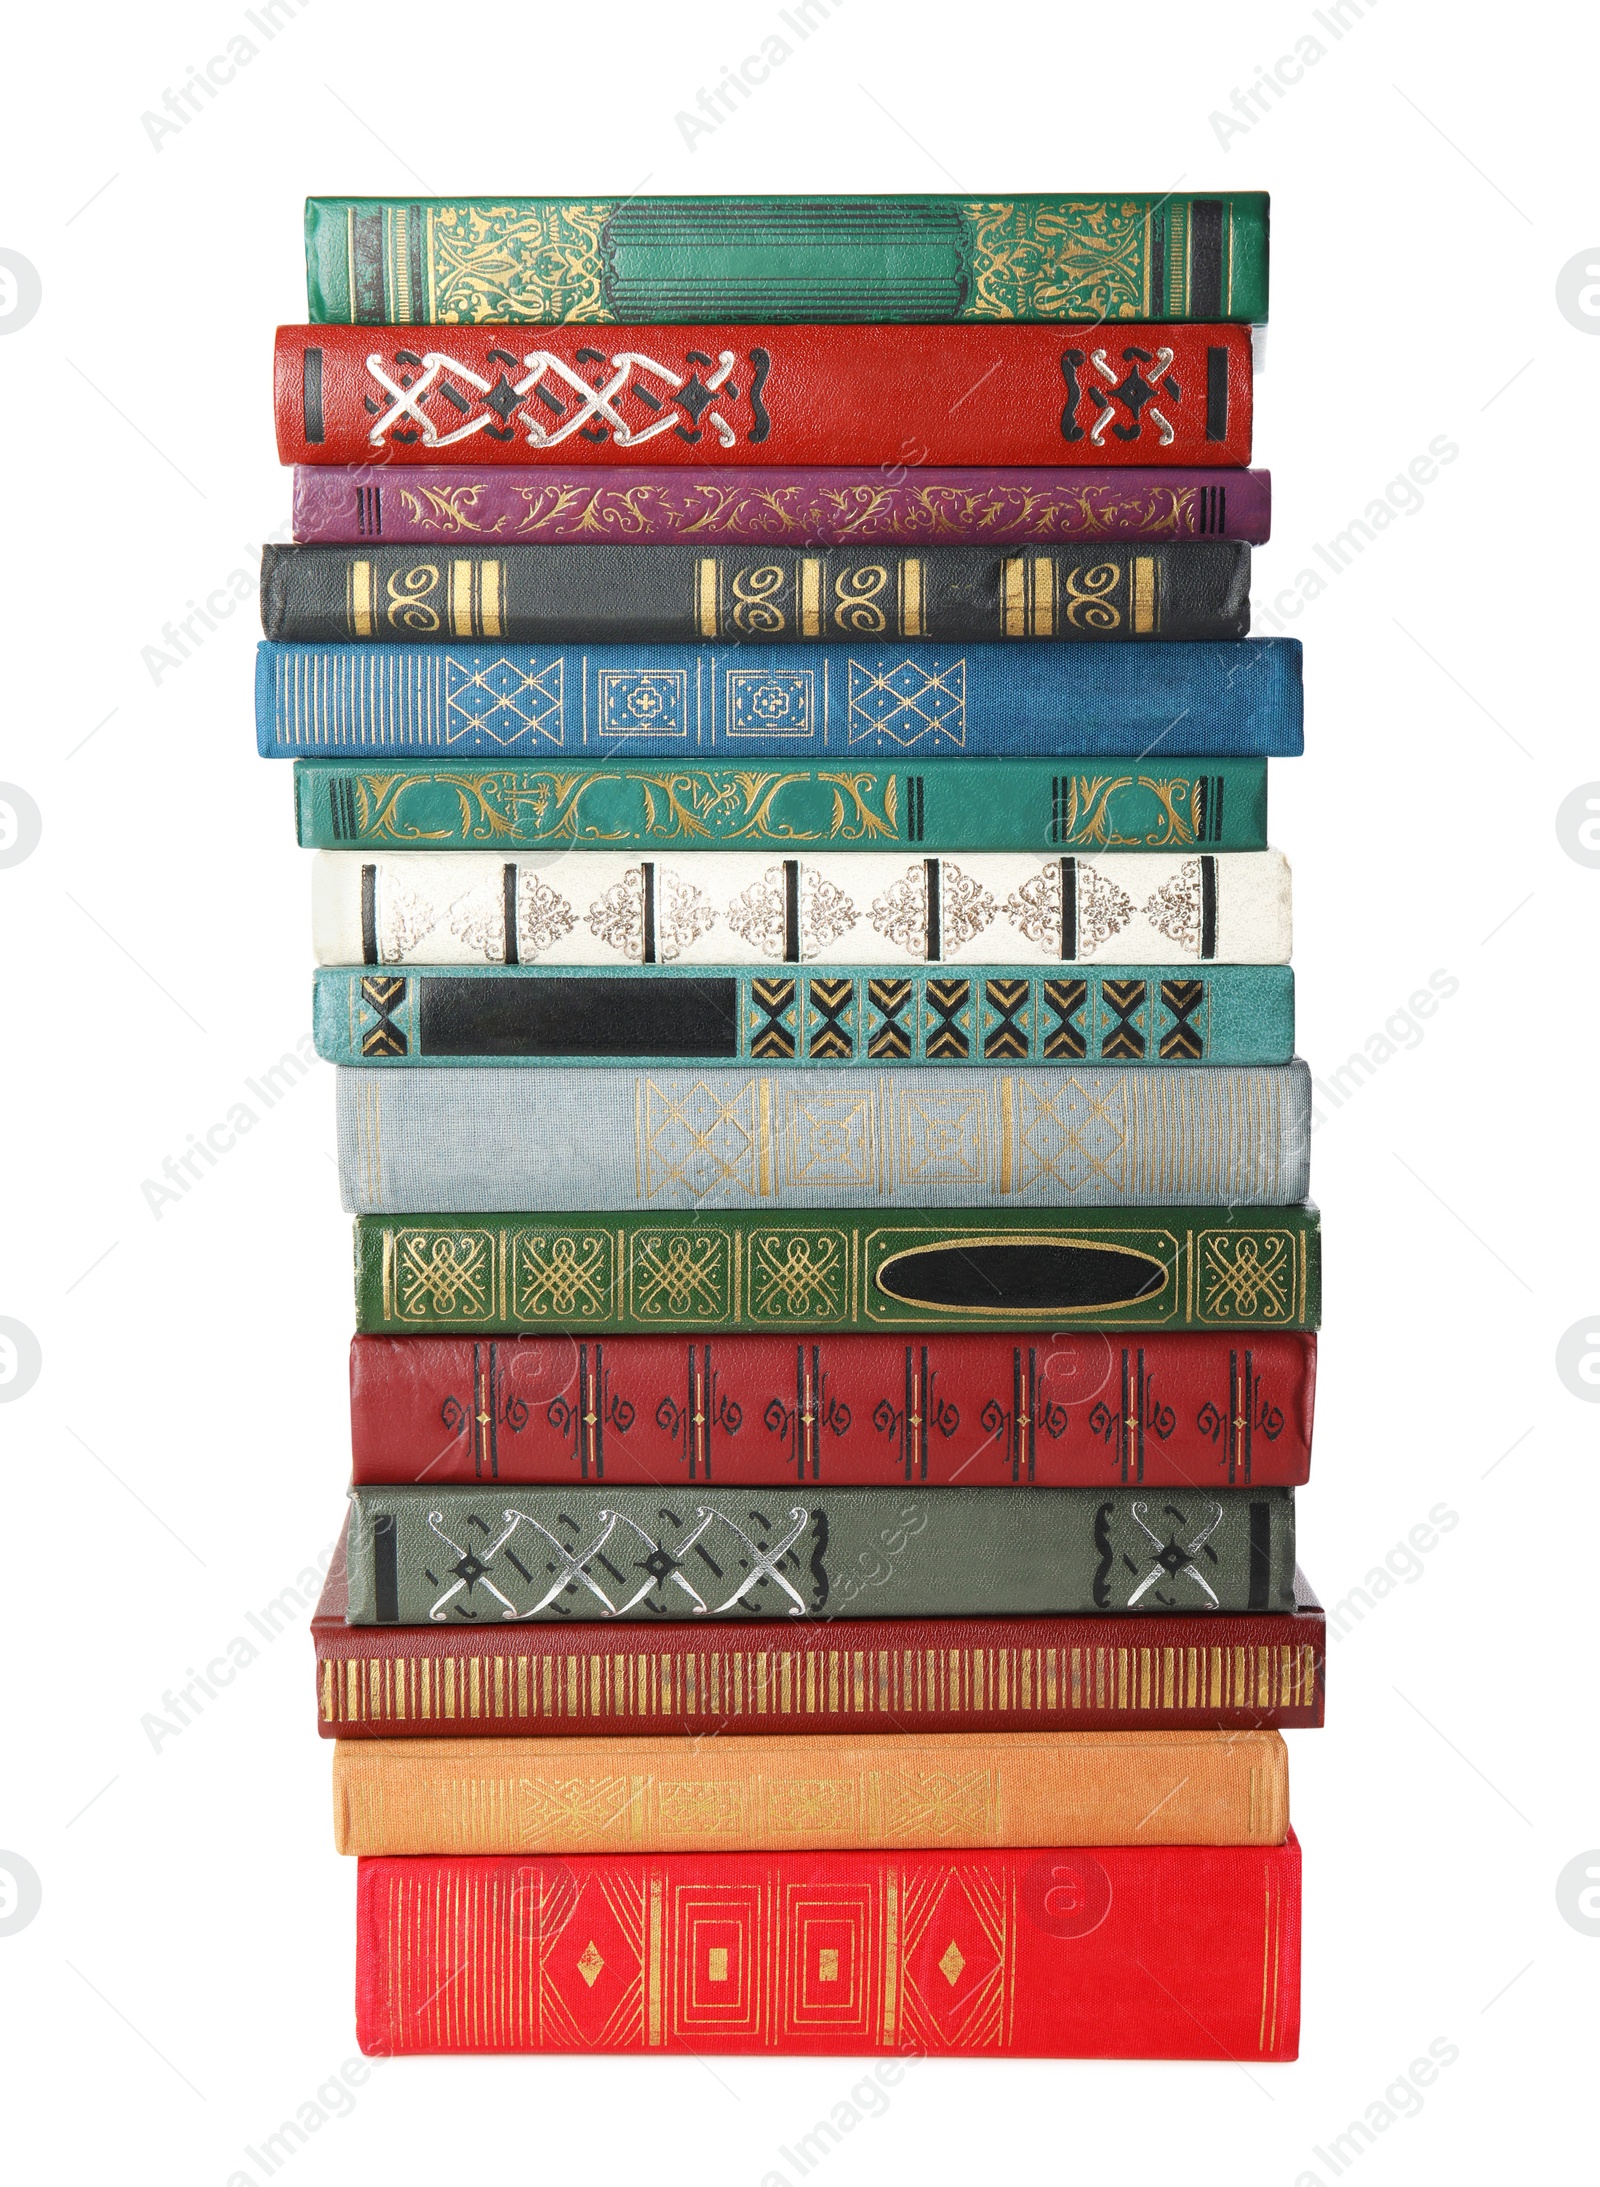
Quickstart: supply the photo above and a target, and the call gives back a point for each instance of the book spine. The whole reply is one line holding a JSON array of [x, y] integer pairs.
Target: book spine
[[735, 395], [902, 507], [524, 1015], [904, 1676], [1115, 1952], [677, 595], [426, 1556], [855, 1411], [997, 1268], [730, 908], [596, 260], [457, 702], [469, 1139], [849, 1793], [943, 805]]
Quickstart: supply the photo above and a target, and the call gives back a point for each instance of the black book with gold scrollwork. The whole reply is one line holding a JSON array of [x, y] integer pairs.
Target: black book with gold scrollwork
[[671, 595]]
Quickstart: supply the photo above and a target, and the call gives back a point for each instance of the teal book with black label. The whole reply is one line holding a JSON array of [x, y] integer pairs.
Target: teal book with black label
[[411, 1142], [943, 805], [895, 1017], [1108, 1268], [430, 1556]]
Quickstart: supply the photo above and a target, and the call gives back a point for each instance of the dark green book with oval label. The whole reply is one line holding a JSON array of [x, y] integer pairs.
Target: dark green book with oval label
[[977, 1268], [430, 1556]]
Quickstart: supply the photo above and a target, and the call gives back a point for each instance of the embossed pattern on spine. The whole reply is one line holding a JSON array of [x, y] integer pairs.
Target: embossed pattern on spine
[[994, 804], [1052, 1411], [474, 1137], [774, 595], [736, 395], [925, 506], [897, 258], [674, 702], [730, 908], [496, 1556], [991, 1268]]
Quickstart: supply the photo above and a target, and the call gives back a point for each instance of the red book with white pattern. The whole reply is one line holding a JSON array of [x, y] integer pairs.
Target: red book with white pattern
[[1118, 1952], [1223, 1409], [736, 395]]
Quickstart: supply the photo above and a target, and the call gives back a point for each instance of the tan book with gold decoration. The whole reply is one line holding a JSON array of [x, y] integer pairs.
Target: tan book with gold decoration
[[960, 1789]]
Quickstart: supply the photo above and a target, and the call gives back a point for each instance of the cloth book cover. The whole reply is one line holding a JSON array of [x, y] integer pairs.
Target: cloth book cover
[[1114, 1269], [678, 595], [708, 395], [908, 507], [1142, 702], [939, 805], [633, 1015], [420, 1556], [1056, 1952], [415, 1142], [837, 1791], [1055, 1411], [1215, 1670], [592, 907], [478, 261]]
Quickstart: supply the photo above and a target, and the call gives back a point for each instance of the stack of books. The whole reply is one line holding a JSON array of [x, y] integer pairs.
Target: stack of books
[[772, 698]]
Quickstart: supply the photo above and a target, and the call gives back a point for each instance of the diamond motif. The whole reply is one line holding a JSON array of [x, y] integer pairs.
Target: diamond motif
[[503, 701], [950, 1965], [590, 1964]]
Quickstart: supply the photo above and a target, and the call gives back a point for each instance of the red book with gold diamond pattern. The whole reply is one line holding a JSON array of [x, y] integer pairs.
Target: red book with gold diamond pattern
[[1119, 1952]]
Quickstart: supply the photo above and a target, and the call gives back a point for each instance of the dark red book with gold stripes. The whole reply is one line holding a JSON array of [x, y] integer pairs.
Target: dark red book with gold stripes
[[1228, 1671], [1200, 1409]]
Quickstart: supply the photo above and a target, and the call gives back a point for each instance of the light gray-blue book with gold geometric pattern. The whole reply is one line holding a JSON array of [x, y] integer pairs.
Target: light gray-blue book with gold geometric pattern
[[481, 1140]]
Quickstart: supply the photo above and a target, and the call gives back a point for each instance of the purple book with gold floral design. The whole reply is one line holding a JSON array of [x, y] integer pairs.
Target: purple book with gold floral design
[[894, 505]]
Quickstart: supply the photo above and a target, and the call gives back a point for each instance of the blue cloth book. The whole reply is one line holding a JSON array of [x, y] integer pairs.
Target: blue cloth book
[[473, 1140], [1231, 699]]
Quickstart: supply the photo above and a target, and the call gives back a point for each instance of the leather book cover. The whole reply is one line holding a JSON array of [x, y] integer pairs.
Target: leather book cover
[[1056, 1952], [633, 1015], [471, 1139], [421, 1556], [732, 907], [991, 1268], [837, 1791], [1201, 1410], [676, 595], [757, 395], [1222, 1670], [1230, 699], [1095, 256], [941, 805], [920, 507]]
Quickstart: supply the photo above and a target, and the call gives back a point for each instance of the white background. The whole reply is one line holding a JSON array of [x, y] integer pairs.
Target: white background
[[186, 1986]]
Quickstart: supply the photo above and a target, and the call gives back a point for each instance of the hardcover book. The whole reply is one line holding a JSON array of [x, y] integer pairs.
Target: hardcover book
[[478, 261], [728, 908], [1139, 702], [416, 1142], [991, 1268], [424, 1556], [1054, 1411], [853, 1014], [835, 506], [939, 805], [844, 1791], [742, 395], [1222, 1670], [677, 595], [1115, 1952]]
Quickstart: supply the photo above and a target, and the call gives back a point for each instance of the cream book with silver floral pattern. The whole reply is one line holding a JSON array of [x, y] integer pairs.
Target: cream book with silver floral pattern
[[588, 907]]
